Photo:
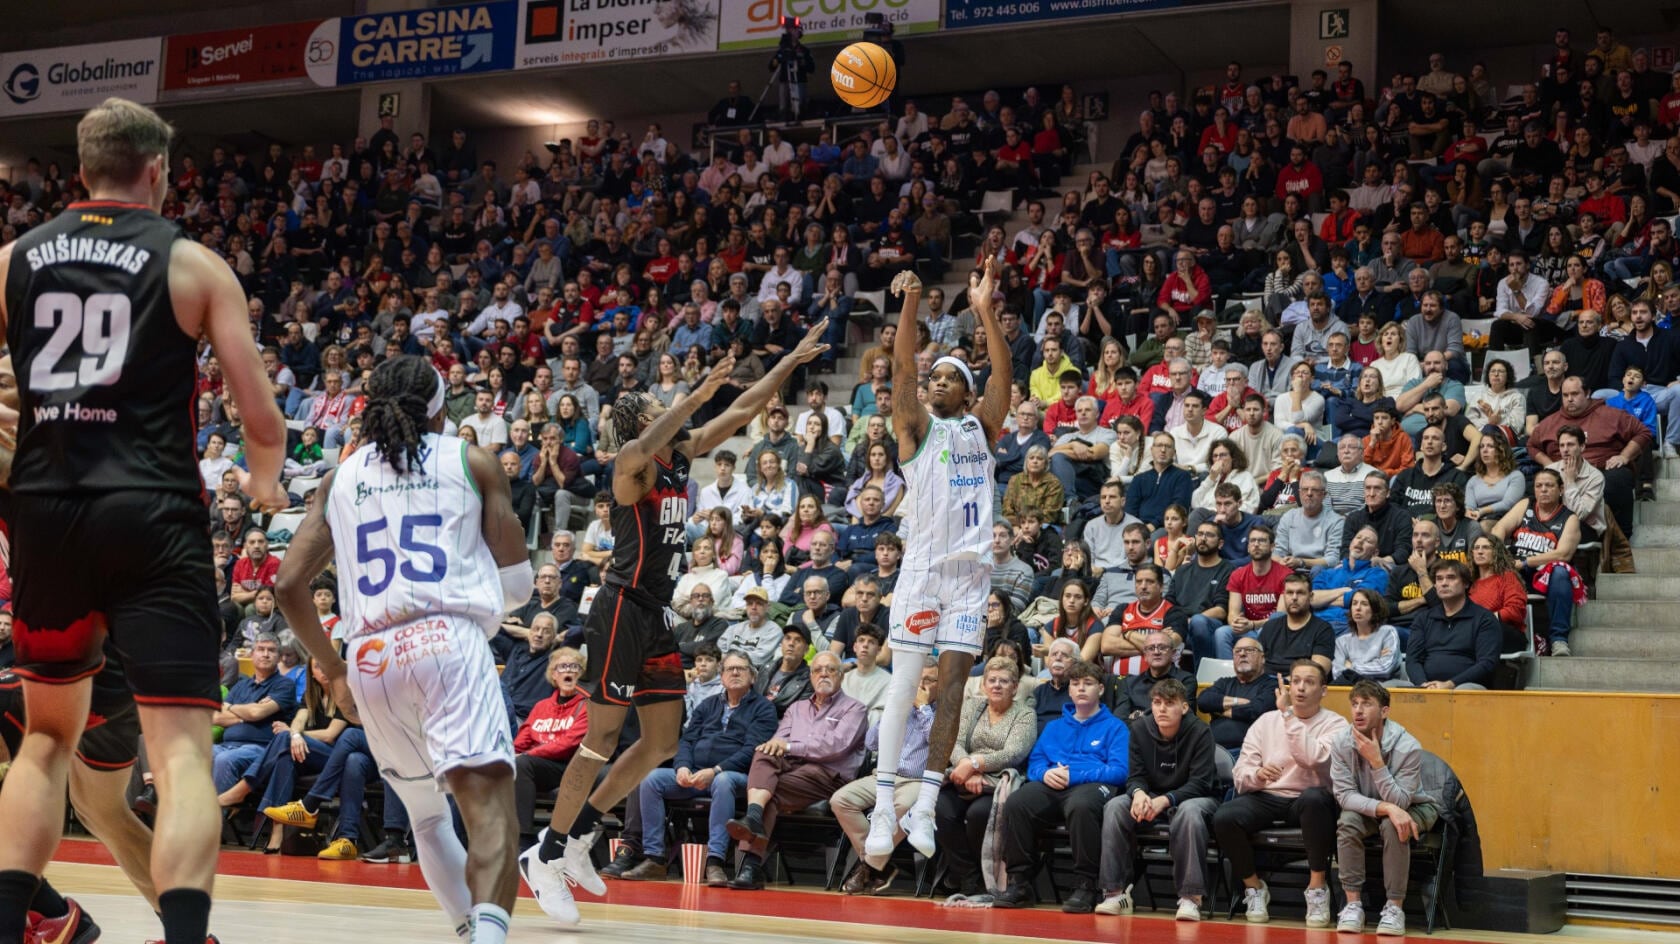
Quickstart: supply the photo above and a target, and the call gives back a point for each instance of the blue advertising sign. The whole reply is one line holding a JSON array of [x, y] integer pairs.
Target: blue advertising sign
[[960, 14], [413, 44]]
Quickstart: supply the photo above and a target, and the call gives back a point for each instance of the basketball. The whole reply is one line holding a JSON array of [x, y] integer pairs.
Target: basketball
[[863, 75]]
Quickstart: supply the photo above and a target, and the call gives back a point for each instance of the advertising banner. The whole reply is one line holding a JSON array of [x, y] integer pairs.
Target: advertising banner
[[968, 13], [571, 32], [751, 23], [413, 44], [205, 63], [75, 78]]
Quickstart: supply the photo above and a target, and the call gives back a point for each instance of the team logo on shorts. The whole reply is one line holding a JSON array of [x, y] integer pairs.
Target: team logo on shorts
[[370, 658], [919, 623]]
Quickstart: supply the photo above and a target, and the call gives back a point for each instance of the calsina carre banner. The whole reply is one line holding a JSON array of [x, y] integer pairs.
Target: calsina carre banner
[[76, 78], [414, 44]]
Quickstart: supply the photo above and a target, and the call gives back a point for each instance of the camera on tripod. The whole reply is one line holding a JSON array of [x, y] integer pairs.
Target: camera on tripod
[[792, 31]]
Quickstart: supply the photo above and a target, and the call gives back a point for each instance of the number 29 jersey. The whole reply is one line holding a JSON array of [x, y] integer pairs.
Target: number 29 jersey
[[105, 374], [411, 545], [948, 495]]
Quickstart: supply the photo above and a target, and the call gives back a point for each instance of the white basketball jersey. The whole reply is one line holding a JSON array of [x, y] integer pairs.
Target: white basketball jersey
[[949, 493], [411, 545]]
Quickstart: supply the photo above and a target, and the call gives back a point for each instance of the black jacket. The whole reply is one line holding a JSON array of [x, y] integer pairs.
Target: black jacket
[[710, 741], [1394, 529], [1134, 691], [795, 687], [1181, 767], [1230, 727], [1462, 648]]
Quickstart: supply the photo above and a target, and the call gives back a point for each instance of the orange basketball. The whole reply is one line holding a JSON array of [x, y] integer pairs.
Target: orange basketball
[[863, 75]]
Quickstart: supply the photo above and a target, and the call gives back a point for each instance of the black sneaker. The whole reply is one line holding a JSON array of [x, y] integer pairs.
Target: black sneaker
[[390, 851], [628, 858], [1082, 900], [1017, 895]]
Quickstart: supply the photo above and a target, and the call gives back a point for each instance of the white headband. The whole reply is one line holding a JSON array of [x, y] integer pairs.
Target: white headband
[[961, 368], [434, 406]]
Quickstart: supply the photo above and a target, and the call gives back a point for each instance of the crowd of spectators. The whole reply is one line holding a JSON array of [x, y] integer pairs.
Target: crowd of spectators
[[1319, 381]]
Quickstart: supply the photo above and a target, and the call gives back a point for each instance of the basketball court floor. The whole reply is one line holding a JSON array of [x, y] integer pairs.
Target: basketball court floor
[[281, 900]]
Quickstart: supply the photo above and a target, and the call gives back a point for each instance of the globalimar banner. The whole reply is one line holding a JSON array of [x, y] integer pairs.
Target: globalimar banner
[[414, 44]]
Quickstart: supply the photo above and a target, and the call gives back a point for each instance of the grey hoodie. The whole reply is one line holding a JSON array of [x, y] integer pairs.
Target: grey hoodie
[[1360, 789]]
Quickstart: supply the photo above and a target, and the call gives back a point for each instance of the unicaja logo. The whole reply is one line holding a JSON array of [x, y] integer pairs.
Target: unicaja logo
[[24, 84]]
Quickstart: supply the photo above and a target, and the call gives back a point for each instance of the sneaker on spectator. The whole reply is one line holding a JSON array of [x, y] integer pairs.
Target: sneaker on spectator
[[1082, 900], [1318, 907], [394, 850], [547, 881], [579, 867], [1352, 918], [1188, 910], [1119, 903], [340, 849], [292, 814], [1560, 647], [1668, 451], [72, 927], [881, 828], [1392, 921], [628, 858], [918, 828], [1016, 895], [1255, 901]]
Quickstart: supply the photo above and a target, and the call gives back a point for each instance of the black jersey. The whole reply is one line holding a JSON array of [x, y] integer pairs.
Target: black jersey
[[649, 536], [1535, 535], [105, 374]]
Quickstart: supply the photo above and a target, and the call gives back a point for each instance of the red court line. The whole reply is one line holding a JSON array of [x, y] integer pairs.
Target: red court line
[[894, 911]]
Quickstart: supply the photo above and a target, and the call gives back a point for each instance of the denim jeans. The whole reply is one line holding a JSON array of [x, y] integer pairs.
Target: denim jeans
[[348, 769], [726, 790], [230, 761], [1560, 600]]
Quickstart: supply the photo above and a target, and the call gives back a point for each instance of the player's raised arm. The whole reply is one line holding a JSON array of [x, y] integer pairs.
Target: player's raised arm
[[203, 287], [994, 406], [634, 452], [751, 400], [910, 418]]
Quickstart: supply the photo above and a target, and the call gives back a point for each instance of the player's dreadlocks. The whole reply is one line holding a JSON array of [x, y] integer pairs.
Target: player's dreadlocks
[[395, 419], [627, 416]]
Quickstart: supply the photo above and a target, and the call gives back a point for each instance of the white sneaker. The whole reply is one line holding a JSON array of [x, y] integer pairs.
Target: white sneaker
[[1188, 910], [579, 868], [918, 828], [1352, 918], [1119, 903], [1668, 450], [1560, 648], [1255, 901], [548, 883], [1318, 907], [1392, 921], [882, 825]]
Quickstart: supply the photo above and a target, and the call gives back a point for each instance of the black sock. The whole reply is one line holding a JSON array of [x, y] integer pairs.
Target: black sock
[[48, 903], [312, 804], [398, 836], [17, 888], [186, 915], [755, 815], [587, 819]]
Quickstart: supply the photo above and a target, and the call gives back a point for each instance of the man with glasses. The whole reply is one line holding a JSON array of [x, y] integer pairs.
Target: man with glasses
[[756, 636], [1168, 384], [1136, 690], [1236, 701], [1309, 537], [1256, 588]]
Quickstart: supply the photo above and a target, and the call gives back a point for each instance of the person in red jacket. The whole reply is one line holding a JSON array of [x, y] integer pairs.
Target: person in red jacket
[[1187, 290], [550, 735], [1302, 178]]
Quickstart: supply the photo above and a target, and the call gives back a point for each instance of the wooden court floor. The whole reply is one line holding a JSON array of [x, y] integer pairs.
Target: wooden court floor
[[280, 900]]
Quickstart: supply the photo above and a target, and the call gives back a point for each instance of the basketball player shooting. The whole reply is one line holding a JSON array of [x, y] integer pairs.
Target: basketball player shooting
[[633, 657], [103, 309], [437, 557], [945, 450]]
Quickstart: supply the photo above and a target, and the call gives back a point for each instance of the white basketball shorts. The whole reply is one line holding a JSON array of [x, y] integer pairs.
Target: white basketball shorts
[[941, 606], [430, 699]]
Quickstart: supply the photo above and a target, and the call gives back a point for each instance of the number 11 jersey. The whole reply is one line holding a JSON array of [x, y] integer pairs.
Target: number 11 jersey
[[411, 545], [948, 499]]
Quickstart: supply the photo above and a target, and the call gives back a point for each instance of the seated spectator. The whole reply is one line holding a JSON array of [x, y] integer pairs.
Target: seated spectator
[[1171, 775], [1074, 617], [1118, 584], [1255, 592], [1236, 701], [1011, 576], [853, 803], [1234, 523], [1615, 442], [1105, 534], [1415, 486], [1078, 762], [788, 680], [991, 740], [1079, 460], [304, 745], [1543, 534], [1371, 648], [1283, 777], [1035, 544], [523, 655], [766, 575], [1302, 407], [1226, 463], [1502, 403], [1198, 586], [1387, 446], [817, 747], [1333, 587], [597, 538], [1499, 590], [246, 712], [774, 493], [865, 679], [1160, 485], [1495, 485], [757, 636], [1409, 585], [546, 598], [1297, 633], [704, 681], [1309, 537], [549, 736], [1158, 664], [1011, 452], [1454, 643], [1193, 439], [1391, 523], [1376, 774], [1035, 489], [348, 770], [1455, 531], [713, 755], [701, 627], [1346, 481], [1583, 487], [1120, 646], [703, 571]]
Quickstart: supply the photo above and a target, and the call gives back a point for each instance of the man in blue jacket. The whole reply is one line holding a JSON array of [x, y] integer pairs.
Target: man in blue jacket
[[1160, 485], [1077, 766], [713, 755]]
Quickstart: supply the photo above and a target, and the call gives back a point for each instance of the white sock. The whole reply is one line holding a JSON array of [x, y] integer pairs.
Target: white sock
[[443, 860], [895, 717], [490, 924], [932, 780]]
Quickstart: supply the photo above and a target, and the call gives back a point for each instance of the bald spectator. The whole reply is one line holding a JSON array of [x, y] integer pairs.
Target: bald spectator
[[1615, 443]]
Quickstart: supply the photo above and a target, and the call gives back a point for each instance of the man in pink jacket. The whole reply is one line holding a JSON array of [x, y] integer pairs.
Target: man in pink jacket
[[1283, 779]]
